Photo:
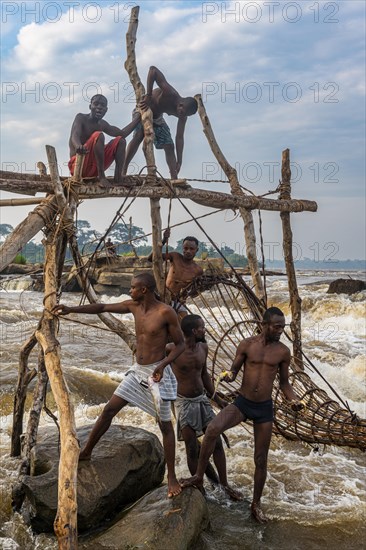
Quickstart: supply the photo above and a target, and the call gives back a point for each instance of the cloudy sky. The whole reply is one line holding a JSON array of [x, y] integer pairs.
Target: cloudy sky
[[272, 75]]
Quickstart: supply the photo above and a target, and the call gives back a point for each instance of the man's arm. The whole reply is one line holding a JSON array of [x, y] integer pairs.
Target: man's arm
[[206, 378], [120, 307], [114, 131], [168, 348], [285, 385], [179, 141], [176, 335], [239, 360], [76, 132], [208, 384], [166, 236], [154, 75]]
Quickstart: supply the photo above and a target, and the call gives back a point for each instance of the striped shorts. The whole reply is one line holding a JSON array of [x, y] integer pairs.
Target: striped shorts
[[134, 388], [162, 135]]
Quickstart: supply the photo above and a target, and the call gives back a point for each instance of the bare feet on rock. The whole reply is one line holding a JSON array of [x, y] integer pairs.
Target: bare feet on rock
[[174, 488], [258, 514], [193, 481]]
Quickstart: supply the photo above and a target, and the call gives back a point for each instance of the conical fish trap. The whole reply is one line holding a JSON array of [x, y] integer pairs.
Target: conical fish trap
[[232, 312]]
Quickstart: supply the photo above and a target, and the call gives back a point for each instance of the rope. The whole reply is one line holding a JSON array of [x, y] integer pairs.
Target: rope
[[207, 181], [275, 191]]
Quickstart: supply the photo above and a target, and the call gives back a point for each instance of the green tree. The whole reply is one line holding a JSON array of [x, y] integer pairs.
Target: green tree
[[144, 250], [227, 251], [237, 260], [87, 237], [122, 233], [31, 252]]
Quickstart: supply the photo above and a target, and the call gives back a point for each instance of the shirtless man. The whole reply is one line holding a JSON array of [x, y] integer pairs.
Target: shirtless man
[[194, 410], [87, 138], [164, 99], [110, 247], [263, 356], [182, 271], [155, 322]]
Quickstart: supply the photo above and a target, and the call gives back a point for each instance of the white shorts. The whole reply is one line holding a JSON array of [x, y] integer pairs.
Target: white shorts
[[134, 388]]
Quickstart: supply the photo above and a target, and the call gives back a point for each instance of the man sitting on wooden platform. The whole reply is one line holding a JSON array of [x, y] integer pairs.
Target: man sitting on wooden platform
[[87, 138]]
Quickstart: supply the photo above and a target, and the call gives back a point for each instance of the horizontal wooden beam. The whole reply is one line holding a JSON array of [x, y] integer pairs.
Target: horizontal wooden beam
[[211, 199], [19, 202]]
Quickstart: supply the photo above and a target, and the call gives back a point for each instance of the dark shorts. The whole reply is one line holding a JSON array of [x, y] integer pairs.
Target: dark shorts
[[259, 412], [162, 135]]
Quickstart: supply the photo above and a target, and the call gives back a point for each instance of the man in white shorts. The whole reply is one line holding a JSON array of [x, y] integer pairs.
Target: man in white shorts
[[155, 324]]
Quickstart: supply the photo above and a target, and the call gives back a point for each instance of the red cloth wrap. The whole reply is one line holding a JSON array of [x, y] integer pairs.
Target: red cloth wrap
[[90, 166]]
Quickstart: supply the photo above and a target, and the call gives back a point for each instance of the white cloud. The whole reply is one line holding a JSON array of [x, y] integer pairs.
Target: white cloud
[[193, 54]]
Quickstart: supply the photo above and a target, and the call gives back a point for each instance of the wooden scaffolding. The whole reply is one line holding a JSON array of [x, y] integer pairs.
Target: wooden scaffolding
[[54, 214]]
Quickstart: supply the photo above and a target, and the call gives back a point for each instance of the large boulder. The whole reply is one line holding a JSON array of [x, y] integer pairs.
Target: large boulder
[[346, 286], [157, 523], [22, 269], [126, 464], [115, 279]]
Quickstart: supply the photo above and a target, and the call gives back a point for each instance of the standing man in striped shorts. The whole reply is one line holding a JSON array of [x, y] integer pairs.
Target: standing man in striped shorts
[[155, 323]]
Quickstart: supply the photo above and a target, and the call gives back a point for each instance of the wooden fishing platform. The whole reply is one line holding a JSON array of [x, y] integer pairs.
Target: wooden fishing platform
[[55, 214]]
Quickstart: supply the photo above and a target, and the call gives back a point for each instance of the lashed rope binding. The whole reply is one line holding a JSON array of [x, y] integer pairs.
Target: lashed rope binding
[[231, 312]]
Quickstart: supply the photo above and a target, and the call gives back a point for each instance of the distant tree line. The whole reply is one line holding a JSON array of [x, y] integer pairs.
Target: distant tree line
[[128, 239]]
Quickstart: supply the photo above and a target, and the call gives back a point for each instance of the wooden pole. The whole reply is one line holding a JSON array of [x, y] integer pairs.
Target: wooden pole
[[231, 174], [30, 437], [25, 375], [148, 148], [65, 523], [39, 396], [130, 238], [19, 202], [295, 300]]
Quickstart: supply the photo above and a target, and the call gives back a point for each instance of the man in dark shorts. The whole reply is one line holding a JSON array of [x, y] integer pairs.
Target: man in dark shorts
[[263, 356], [163, 100]]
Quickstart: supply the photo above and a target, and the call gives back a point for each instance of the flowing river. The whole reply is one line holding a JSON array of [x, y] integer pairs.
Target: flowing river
[[315, 498]]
